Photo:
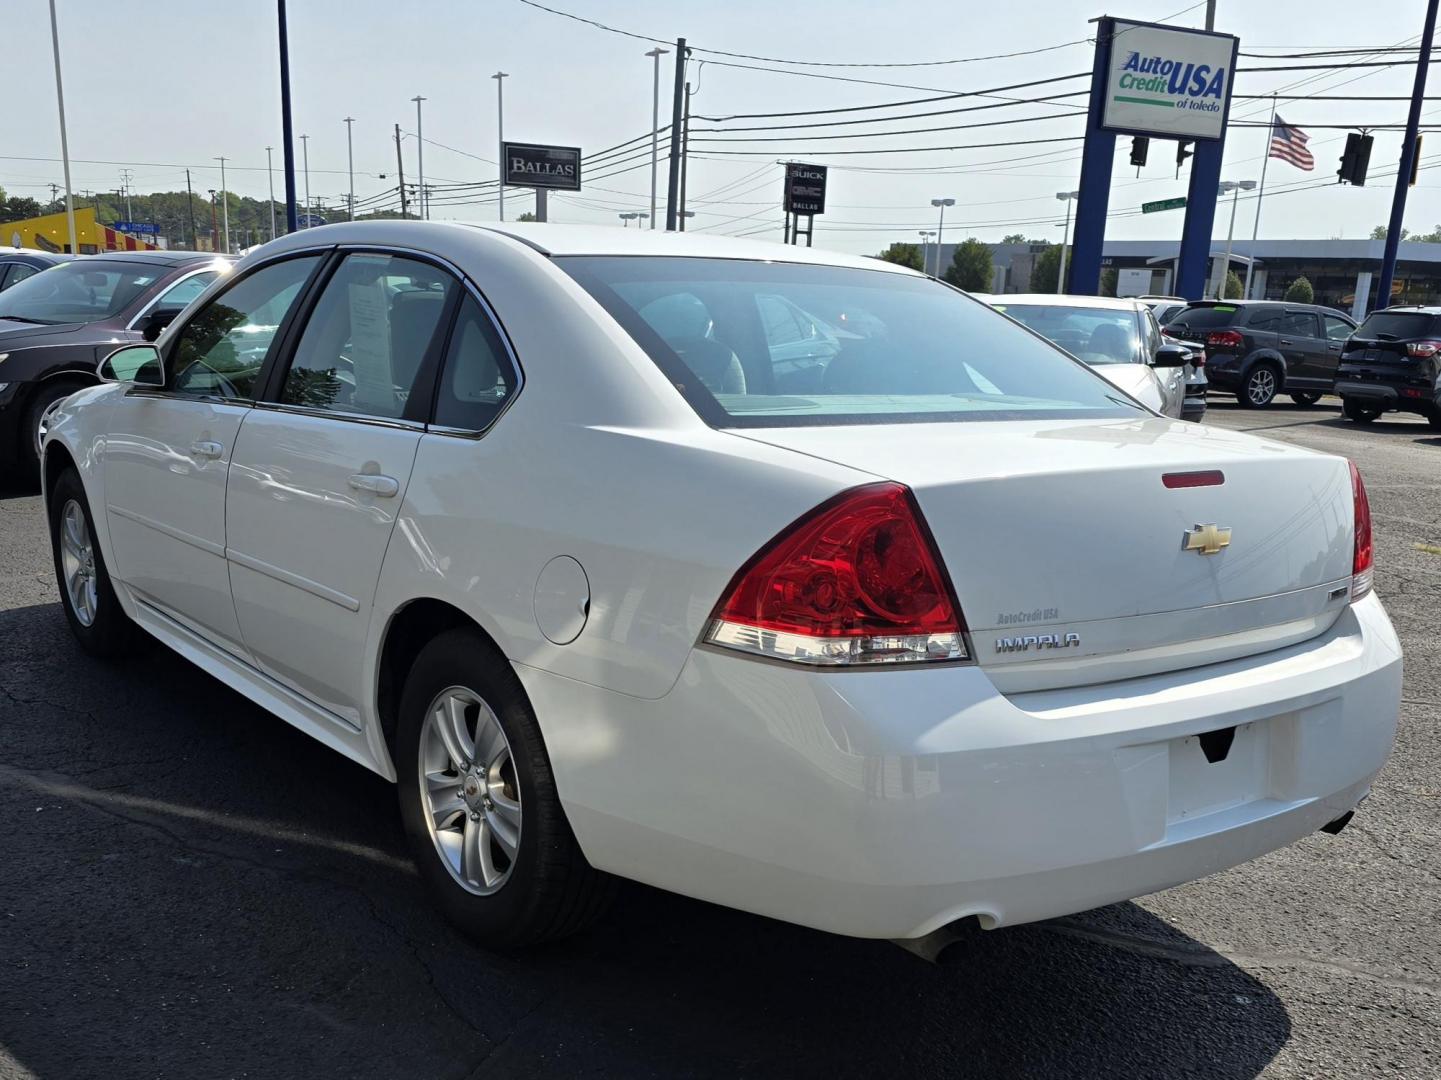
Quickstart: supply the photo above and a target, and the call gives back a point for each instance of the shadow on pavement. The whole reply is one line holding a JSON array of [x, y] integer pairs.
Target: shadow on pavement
[[189, 888]]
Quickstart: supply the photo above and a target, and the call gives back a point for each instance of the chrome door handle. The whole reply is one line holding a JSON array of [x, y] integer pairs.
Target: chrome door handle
[[384, 486], [206, 448], [1285, 342]]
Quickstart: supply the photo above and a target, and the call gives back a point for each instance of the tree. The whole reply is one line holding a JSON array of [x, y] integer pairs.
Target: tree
[[527, 216], [1045, 268], [1300, 292], [1014, 238], [971, 266], [1108, 281], [903, 255], [18, 207], [1234, 288]]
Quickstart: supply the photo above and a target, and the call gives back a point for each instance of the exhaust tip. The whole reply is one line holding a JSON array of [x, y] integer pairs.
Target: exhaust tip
[[936, 947], [1334, 827]]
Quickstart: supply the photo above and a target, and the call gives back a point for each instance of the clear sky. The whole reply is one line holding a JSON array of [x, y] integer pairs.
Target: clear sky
[[162, 85]]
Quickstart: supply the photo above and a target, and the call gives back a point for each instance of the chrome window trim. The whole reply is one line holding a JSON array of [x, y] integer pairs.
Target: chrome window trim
[[208, 268], [329, 414]]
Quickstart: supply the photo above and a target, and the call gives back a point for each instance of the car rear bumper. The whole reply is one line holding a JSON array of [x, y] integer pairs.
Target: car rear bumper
[[1400, 396], [890, 803]]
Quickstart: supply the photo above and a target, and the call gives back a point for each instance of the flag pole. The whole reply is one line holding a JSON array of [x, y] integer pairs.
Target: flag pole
[[1260, 194]]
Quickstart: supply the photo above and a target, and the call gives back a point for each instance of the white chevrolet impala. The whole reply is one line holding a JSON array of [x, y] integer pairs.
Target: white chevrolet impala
[[796, 582]]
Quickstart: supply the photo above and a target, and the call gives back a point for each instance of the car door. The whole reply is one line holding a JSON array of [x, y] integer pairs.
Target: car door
[[1338, 331], [321, 467], [1300, 342], [1172, 380], [167, 451]]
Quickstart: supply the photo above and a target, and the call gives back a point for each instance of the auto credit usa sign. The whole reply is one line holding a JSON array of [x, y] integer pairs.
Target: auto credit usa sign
[[1168, 81]]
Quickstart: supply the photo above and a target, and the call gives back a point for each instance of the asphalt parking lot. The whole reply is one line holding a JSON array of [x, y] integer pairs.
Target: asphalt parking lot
[[191, 888]]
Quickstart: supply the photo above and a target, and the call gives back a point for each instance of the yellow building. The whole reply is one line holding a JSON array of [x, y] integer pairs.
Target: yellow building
[[51, 232]]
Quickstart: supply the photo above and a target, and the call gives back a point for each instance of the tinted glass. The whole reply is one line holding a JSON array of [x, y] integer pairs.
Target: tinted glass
[[1267, 321], [1095, 335], [1300, 324], [1337, 329], [1206, 318], [221, 349], [888, 347], [1399, 325], [477, 379], [375, 322]]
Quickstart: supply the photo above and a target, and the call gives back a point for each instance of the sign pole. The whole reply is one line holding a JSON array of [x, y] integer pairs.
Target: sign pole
[[1094, 191], [542, 205]]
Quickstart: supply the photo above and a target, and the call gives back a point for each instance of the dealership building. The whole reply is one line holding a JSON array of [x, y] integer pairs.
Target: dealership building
[[1343, 273]]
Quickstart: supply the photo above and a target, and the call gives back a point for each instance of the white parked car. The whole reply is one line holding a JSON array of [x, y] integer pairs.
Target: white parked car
[[539, 523]]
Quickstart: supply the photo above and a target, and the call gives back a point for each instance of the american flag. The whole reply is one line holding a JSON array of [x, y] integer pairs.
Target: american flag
[[1289, 145]]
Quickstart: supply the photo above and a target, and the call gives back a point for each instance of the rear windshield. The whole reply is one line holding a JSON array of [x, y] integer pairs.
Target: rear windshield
[[1398, 326], [759, 344], [1093, 335], [1206, 318]]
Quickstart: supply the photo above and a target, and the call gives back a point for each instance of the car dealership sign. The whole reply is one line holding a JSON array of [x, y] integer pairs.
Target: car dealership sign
[[805, 191], [1168, 81], [537, 166]]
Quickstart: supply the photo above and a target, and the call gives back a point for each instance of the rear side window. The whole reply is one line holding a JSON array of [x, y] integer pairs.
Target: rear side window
[[477, 379], [1207, 317], [1399, 326], [1267, 321], [762, 344]]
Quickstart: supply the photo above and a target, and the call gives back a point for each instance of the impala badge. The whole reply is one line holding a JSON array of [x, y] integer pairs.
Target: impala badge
[[1207, 539], [1028, 642]]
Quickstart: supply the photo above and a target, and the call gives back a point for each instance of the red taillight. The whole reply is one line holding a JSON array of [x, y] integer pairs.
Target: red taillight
[[1224, 339], [1423, 349], [1200, 478], [855, 581], [1362, 557]]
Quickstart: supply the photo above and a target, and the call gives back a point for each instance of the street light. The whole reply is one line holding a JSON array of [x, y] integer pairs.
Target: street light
[[224, 205], [500, 77], [74, 247], [627, 218], [270, 172], [1235, 187], [350, 156], [941, 228], [1066, 197], [420, 159], [655, 54], [925, 235], [305, 149]]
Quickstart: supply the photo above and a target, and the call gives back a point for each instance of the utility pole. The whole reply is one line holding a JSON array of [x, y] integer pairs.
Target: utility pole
[[500, 77], [400, 174], [673, 185], [420, 159], [270, 172], [656, 54], [214, 234], [224, 206], [1408, 159], [684, 156], [64, 140], [285, 124], [350, 156], [126, 175], [190, 198], [1210, 14], [305, 153]]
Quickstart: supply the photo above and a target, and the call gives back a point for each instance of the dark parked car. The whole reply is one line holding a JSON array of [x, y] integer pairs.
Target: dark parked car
[[17, 264], [1257, 349], [57, 325], [1393, 362]]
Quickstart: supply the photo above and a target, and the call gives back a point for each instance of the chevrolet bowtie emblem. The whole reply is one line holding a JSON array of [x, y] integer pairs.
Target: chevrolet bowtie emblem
[[1207, 539]]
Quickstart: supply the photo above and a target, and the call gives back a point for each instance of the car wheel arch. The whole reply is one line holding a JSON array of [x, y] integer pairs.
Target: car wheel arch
[[1265, 356], [57, 459]]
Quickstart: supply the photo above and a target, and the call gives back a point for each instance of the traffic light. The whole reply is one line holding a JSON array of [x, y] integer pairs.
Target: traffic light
[[1355, 159], [1139, 145], [1183, 151], [1415, 163]]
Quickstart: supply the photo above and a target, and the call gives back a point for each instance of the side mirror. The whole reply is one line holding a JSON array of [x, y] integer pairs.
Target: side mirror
[[1171, 356], [156, 321], [137, 364]]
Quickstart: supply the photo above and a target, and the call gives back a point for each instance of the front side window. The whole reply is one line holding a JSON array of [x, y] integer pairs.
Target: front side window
[[1095, 335], [82, 291], [179, 295], [18, 273], [477, 379], [897, 348], [220, 351], [377, 320], [1338, 329]]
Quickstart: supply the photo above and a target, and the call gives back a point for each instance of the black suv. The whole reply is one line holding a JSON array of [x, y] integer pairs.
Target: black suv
[[1260, 348], [1393, 361]]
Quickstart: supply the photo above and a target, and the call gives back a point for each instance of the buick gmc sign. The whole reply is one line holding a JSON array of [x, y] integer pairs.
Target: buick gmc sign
[[535, 166], [805, 188], [1168, 82]]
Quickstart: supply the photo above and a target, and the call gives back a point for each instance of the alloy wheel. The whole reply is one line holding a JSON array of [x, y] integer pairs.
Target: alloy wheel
[[77, 560], [1261, 386], [469, 791]]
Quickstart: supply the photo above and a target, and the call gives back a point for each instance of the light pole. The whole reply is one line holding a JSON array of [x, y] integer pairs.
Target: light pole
[[500, 77], [1235, 187], [925, 235], [420, 159], [655, 54], [270, 172], [1066, 197], [224, 206], [74, 248], [941, 228], [350, 157], [305, 154]]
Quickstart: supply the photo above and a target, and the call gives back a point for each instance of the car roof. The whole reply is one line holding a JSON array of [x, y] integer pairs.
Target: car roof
[[163, 258], [1123, 303], [1428, 309]]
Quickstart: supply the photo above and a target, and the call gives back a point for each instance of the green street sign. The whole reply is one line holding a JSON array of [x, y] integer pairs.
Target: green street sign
[[1163, 204]]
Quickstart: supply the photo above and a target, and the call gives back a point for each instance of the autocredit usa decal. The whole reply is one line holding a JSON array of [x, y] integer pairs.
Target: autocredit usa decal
[[1168, 82]]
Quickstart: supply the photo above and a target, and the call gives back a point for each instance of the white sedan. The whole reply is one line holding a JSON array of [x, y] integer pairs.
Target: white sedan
[[568, 533]]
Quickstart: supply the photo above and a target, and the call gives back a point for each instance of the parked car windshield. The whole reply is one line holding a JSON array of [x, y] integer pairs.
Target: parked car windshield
[[1206, 316], [85, 290], [1095, 335], [761, 344], [1398, 325]]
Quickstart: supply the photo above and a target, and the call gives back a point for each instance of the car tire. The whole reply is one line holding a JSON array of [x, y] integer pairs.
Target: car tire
[[87, 596], [1305, 397], [1362, 414], [1260, 386], [489, 837], [46, 395]]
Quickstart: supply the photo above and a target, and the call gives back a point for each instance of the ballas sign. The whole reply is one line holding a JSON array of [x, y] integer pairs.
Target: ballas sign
[[1168, 82], [538, 166]]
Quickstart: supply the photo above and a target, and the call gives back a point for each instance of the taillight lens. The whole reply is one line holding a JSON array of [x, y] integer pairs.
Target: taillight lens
[[1423, 349], [1224, 339], [856, 581], [1362, 557]]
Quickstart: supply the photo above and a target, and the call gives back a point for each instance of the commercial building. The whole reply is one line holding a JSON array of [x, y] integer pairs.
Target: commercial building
[[51, 232]]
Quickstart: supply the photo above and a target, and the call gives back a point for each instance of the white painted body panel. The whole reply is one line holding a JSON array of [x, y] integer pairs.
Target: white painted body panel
[[1144, 384], [877, 802]]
